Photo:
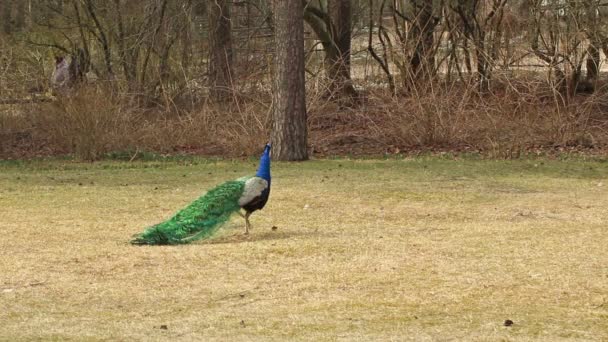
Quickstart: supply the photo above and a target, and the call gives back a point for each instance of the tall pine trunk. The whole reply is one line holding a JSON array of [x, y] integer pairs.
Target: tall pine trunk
[[221, 72], [289, 131]]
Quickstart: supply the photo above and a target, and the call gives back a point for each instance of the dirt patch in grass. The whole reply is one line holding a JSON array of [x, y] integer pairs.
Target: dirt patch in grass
[[415, 249]]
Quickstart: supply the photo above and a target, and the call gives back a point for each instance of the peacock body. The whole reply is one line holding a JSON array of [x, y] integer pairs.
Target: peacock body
[[203, 217]]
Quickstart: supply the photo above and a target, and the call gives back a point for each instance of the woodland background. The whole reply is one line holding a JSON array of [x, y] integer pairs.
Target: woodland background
[[499, 77]]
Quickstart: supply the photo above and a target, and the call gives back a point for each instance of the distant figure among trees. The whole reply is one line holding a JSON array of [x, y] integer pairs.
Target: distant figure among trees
[[61, 76], [67, 74]]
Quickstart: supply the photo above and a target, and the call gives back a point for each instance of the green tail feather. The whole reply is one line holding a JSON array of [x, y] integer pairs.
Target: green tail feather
[[199, 220]]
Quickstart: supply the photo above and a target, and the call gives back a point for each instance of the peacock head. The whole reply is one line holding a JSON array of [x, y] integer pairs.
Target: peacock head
[[264, 169]]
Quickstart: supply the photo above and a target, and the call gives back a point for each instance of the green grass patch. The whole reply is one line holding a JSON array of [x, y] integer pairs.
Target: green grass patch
[[422, 248]]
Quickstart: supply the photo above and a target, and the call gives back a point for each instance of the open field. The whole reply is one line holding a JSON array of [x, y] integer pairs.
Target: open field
[[417, 249]]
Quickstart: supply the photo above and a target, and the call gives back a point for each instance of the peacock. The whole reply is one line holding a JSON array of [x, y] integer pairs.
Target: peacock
[[205, 215]]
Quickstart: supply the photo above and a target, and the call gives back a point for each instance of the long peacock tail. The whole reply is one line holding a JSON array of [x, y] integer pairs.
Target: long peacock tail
[[199, 220]]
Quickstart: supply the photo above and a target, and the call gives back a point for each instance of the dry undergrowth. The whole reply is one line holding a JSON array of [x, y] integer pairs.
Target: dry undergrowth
[[518, 116], [420, 249]]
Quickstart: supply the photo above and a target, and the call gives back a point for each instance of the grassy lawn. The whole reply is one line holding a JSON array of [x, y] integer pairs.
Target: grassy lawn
[[415, 249]]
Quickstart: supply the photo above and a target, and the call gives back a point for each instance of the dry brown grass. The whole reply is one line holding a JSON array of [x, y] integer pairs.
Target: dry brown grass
[[419, 249]]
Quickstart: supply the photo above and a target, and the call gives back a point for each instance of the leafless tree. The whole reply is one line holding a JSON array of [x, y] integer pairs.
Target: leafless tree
[[332, 26], [221, 70]]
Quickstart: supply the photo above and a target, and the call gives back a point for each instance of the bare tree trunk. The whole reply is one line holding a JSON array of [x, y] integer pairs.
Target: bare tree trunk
[[20, 15], [467, 56], [289, 131], [221, 71], [382, 61], [338, 58], [333, 29], [100, 34], [128, 55], [423, 61], [483, 67], [6, 7], [593, 50], [593, 62]]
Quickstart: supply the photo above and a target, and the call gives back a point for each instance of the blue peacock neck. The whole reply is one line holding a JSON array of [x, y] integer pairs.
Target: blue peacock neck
[[264, 169]]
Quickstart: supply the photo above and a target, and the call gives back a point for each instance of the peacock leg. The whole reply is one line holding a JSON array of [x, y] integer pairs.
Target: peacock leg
[[247, 224]]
